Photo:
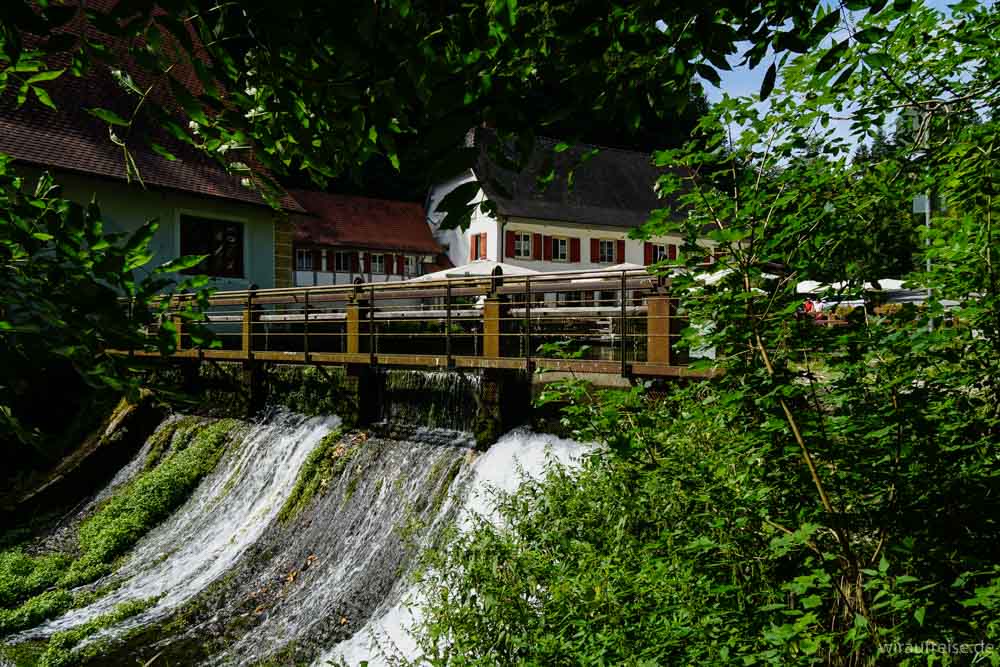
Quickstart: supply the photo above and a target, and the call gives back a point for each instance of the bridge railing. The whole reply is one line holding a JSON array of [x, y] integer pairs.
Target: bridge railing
[[623, 322]]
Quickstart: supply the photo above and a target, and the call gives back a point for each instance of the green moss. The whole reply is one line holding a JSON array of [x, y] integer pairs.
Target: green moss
[[35, 610], [61, 652], [148, 499], [189, 450], [323, 465], [311, 390], [445, 486], [22, 576]]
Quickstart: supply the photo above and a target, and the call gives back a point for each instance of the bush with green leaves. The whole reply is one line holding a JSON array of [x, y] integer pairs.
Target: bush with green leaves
[[70, 294], [832, 497]]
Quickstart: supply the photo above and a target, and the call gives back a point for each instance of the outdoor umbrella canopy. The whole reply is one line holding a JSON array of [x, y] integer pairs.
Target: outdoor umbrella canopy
[[479, 267]]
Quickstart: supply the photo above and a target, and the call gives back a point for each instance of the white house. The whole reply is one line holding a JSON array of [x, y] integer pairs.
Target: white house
[[558, 227]]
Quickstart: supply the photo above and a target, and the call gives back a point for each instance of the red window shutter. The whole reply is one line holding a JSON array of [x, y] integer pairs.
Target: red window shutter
[[482, 246], [317, 259], [388, 265], [509, 250], [546, 247], [671, 251], [536, 246], [354, 262], [595, 250], [647, 253], [368, 263], [620, 251], [400, 264], [473, 242], [574, 250]]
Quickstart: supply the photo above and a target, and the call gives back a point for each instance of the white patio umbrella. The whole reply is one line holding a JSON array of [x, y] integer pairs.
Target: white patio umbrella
[[479, 267]]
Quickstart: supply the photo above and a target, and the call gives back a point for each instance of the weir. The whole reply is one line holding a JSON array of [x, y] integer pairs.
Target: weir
[[297, 546]]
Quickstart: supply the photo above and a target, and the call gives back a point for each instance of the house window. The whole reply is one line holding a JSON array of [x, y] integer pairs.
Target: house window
[[522, 245], [342, 262], [378, 263], [560, 249], [412, 268], [303, 259], [606, 251], [220, 240]]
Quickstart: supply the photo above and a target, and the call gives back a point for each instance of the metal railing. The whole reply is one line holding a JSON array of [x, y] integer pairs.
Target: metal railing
[[621, 322]]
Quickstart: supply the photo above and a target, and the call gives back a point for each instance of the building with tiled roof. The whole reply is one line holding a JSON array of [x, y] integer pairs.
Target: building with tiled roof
[[201, 208], [559, 225], [343, 237]]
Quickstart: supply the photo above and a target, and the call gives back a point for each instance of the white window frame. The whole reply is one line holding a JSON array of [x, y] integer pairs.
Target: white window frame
[[304, 254], [609, 256], [378, 263], [411, 266], [562, 243], [522, 245], [342, 261]]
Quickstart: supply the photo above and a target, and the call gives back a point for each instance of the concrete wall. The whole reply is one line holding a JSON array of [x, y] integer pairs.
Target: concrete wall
[[125, 207]]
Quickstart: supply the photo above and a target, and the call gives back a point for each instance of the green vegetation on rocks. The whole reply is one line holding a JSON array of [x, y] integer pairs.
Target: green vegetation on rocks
[[323, 465], [61, 650], [36, 588]]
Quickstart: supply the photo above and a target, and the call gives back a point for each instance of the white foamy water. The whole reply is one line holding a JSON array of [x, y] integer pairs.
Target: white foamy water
[[204, 537], [517, 456]]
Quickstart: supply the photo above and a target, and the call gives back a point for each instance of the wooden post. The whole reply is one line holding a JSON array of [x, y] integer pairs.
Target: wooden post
[[305, 328], [353, 327], [247, 328], [447, 324], [491, 327], [527, 322], [178, 326], [179, 332], [658, 329], [623, 332], [371, 325]]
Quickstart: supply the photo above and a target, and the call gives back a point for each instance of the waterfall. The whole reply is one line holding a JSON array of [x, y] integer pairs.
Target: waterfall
[[299, 546], [519, 455], [222, 518]]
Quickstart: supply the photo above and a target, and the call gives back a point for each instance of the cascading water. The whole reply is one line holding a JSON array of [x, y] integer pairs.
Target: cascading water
[[297, 547], [226, 514], [517, 456]]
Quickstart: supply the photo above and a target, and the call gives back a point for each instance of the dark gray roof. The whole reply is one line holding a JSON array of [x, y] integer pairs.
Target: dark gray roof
[[613, 188]]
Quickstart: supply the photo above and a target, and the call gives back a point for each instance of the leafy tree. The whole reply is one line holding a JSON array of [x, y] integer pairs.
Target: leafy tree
[[832, 497], [70, 293]]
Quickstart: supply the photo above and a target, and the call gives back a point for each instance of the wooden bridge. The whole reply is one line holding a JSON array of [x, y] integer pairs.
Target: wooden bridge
[[622, 322]]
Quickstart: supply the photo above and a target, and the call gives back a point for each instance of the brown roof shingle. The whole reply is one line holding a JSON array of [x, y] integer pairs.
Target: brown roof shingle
[[69, 138], [361, 222], [614, 187]]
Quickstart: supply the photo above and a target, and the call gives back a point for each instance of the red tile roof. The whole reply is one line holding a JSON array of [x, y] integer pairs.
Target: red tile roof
[[71, 139], [360, 222]]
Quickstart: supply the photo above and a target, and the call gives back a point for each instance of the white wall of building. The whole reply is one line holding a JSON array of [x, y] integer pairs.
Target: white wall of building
[[458, 241]]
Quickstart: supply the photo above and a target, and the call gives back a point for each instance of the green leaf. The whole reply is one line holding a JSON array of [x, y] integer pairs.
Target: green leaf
[[767, 85], [107, 116], [919, 615], [831, 57], [43, 96], [47, 75]]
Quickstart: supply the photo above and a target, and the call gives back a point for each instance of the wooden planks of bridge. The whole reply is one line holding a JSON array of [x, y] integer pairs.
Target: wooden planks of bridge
[[622, 322]]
